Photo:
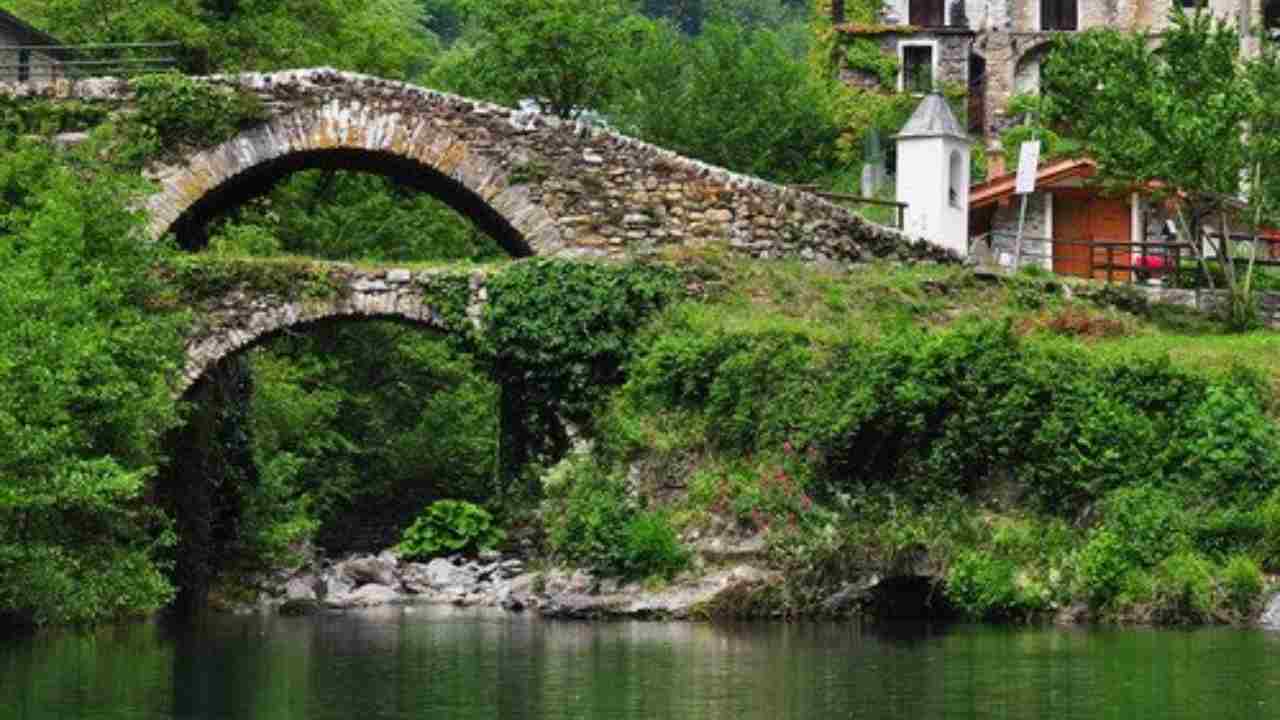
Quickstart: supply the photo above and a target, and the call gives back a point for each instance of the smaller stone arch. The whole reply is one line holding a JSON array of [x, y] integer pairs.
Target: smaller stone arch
[[444, 301]]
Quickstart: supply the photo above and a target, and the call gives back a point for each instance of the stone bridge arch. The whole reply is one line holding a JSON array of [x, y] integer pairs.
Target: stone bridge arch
[[538, 184], [360, 135], [445, 301]]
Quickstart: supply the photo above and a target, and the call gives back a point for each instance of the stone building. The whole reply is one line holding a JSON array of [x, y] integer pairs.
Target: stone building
[[995, 48], [22, 57], [990, 50]]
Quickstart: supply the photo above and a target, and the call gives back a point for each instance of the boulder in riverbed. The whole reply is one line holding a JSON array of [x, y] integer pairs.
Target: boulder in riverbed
[[367, 570]]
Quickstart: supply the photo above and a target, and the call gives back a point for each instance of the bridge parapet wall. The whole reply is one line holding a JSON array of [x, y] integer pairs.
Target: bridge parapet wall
[[561, 188]]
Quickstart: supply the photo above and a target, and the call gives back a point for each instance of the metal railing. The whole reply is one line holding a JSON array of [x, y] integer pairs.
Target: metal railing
[[1100, 260], [900, 208], [1172, 263], [45, 63]]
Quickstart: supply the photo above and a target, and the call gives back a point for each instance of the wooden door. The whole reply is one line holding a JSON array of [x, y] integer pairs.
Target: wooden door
[[1089, 223], [1071, 227], [1110, 221]]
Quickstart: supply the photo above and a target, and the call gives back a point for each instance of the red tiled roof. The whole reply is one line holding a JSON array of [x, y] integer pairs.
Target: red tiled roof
[[1002, 186]]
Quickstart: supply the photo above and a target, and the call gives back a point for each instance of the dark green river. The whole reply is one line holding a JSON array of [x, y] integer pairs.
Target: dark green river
[[427, 663]]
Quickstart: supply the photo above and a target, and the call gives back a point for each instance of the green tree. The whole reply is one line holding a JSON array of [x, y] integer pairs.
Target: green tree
[[382, 37], [1176, 118], [351, 216], [84, 359], [565, 54], [733, 97]]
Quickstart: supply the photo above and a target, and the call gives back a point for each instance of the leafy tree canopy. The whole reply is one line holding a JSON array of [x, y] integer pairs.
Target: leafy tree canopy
[[383, 37], [1188, 117]]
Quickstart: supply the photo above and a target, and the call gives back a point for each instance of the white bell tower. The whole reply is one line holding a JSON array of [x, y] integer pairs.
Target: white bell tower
[[933, 175]]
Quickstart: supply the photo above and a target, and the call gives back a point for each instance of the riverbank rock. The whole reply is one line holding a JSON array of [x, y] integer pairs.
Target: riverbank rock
[[493, 580], [572, 597], [366, 570], [1270, 619], [302, 588], [364, 596]]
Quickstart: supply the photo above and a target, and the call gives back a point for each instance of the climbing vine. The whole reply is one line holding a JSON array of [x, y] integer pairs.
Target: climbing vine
[[558, 335], [864, 55], [174, 112]]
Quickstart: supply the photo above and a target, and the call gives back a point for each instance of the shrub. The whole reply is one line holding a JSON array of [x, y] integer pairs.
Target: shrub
[[1103, 564], [183, 111], [1184, 588], [594, 523], [1242, 582], [449, 526], [559, 335], [1269, 520], [1228, 446], [651, 548], [984, 586]]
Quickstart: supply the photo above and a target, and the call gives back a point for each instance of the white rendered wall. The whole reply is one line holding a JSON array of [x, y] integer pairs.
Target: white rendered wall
[[919, 185], [924, 183]]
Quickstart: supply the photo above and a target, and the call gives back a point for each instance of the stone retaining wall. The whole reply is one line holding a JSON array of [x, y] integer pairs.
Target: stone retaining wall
[[1210, 300]]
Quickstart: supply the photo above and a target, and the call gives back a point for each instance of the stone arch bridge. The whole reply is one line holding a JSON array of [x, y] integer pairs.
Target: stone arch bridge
[[537, 184]]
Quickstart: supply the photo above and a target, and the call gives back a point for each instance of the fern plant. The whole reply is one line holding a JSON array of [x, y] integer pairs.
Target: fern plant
[[449, 526]]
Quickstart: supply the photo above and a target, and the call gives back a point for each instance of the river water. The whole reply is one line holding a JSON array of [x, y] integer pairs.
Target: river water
[[443, 663]]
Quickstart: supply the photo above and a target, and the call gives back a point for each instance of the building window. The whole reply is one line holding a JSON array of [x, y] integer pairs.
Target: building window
[[927, 13], [1192, 4], [24, 65], [1059, 15], [1271, 18], [917, 68], [957, 179]]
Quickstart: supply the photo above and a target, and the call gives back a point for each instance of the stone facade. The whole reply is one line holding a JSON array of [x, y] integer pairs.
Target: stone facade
[[538, 184], [241, 318], [951, 49], [1009, 38], [1036, 247]]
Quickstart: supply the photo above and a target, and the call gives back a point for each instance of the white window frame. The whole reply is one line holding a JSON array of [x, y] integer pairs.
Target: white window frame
[[1079, 16], [902, 65]]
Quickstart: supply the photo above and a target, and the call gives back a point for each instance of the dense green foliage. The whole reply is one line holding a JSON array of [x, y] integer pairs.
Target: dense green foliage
[[563, 54], [449, 526], [733, 96], [593, 521], [175, 112], [383, 37], [84, 397], [558, 336], [1033, 471], [356, 428], [346, 216]]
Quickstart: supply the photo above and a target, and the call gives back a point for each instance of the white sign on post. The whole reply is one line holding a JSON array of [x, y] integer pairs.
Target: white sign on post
[[1028, 163], [1028, 167]]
